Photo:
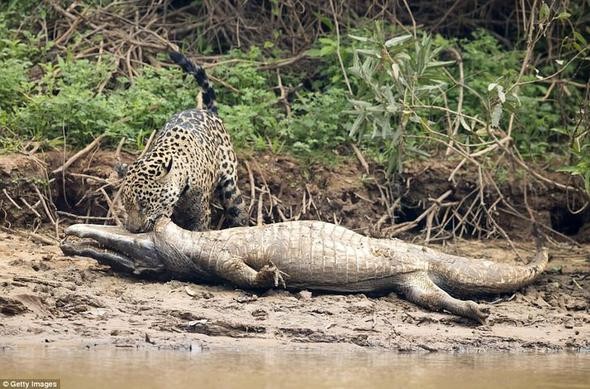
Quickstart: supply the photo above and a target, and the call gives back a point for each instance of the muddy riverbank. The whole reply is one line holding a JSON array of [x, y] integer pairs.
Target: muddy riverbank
[[48, 298]]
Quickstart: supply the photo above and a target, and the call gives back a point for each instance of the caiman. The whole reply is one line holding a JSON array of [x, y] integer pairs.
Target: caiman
[[306, 255]]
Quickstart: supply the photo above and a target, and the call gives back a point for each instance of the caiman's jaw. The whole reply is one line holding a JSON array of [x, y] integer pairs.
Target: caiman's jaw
[[113, 246], [93, 249]]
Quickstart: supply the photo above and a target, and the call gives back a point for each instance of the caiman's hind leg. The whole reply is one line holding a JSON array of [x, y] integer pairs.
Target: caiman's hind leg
[[235, 270], [419, 289]]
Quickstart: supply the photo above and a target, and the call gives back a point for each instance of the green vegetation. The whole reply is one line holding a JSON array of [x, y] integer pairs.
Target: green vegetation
[[404, 96]]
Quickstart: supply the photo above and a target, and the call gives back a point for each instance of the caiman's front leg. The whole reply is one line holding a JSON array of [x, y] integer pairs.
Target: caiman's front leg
[[235, 270], [419, 289]]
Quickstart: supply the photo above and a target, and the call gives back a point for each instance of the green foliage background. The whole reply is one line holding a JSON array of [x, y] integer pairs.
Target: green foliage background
[[50, 96]]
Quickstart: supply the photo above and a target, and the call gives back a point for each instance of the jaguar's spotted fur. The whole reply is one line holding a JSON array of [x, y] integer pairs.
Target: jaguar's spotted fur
[[190, 159]]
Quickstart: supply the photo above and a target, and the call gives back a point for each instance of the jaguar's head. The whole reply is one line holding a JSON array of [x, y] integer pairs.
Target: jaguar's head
[[149, 192]]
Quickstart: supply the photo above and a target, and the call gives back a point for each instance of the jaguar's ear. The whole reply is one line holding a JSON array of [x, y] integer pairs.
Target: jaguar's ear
[[166, 167]]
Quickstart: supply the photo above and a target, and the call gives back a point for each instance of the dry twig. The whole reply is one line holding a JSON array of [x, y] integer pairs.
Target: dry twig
[[79, 154]]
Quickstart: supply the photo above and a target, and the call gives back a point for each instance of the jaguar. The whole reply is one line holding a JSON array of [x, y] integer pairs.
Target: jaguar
[[190, 160]]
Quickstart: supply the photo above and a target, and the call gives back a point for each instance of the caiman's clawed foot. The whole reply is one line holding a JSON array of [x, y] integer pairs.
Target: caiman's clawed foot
[[475, 311], [270, 275]]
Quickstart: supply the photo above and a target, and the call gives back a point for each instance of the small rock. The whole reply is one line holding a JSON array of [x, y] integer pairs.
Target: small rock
[[114, 332], [41, 288], [260, 314], [279, 292], [553, 286], [569, 325], [37, 265], [16, 262], [577, 305], [148, 340], [190, 291], [304, 295], [10, 306], [246, 298]]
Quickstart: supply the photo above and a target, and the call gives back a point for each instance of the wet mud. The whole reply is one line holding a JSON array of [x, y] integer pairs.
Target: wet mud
[[49, 298]]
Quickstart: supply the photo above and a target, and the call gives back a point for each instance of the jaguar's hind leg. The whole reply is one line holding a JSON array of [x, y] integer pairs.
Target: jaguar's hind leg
[[227, 188], [232, 201]]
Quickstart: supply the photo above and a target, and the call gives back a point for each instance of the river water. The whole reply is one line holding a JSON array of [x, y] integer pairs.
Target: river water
[[130, 368]]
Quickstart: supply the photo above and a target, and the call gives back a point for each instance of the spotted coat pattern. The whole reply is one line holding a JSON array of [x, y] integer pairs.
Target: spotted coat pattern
[[190, 160]]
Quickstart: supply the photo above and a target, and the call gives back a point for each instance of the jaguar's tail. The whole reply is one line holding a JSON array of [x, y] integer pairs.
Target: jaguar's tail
[[199, 73]]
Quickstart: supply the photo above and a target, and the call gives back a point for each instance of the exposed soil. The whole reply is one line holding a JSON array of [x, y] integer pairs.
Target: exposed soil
[[348, 194], [47, 297]]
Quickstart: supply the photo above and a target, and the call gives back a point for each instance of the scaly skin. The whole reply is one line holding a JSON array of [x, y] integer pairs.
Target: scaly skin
[[310, 255]]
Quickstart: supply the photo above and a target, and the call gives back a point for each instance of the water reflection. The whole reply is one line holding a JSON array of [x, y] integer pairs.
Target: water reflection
[[277, 369]]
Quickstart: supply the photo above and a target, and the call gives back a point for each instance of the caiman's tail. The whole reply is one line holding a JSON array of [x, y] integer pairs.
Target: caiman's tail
[[199, 73], [468, 277]]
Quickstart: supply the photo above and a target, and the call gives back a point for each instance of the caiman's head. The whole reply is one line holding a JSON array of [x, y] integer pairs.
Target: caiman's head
[[151, 189], [149, 253], [113, 246]]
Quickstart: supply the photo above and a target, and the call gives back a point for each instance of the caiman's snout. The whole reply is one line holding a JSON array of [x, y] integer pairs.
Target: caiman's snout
[[115, 247]]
